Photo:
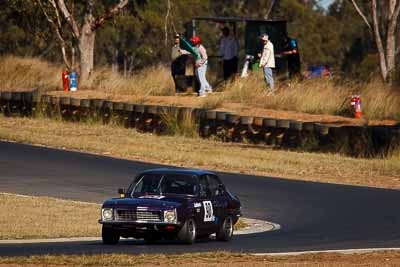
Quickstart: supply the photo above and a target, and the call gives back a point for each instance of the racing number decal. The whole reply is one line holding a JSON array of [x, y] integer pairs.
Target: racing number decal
[[208, 211]]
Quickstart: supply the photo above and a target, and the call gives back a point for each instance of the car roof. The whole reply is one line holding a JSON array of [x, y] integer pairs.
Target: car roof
[[177, 171]]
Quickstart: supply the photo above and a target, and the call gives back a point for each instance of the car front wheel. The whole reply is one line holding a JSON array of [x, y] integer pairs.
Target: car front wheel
[[187, 234], [109, 236], [225, 231]]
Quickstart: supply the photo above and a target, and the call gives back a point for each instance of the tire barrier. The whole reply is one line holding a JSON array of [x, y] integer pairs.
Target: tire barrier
[[356, 141]]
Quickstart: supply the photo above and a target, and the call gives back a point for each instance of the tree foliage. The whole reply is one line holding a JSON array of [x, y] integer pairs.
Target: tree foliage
[[136, 38]]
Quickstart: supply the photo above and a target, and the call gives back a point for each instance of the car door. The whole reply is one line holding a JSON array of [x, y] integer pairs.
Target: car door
[[218, 198], [207, 216]]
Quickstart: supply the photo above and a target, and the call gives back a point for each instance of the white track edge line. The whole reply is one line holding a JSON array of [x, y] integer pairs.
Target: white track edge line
[[341, 251]]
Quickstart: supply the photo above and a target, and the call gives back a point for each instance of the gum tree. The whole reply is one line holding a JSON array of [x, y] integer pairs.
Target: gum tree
[[83, 24], [381, 18]]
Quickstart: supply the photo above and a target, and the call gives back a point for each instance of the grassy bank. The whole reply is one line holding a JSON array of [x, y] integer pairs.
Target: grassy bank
[[210, 259], [45, 217], [199, 153], [319, 96]]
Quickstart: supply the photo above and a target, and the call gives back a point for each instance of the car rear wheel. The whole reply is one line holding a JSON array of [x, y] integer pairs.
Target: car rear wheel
[[109, 236], [225, 231], [187, 234]]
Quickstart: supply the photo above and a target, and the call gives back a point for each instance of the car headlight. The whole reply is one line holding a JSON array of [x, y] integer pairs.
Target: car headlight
[[170, 216], [107, 214]]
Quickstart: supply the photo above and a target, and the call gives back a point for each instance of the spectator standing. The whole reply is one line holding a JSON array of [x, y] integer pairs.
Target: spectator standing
[[178, 64], [267, 62], [229, 50], [291, 51], [201, 66]]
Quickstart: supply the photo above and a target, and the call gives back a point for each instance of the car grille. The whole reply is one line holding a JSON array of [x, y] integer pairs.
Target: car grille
[[138, 215]]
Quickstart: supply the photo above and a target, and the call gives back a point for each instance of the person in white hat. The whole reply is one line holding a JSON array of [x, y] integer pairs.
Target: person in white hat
[[267, 62]]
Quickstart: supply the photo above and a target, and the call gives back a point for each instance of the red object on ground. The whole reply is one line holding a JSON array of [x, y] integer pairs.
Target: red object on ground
[[356, 104], [65, 80]]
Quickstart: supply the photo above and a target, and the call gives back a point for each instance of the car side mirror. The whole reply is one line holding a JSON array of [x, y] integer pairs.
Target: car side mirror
[[121, 192]]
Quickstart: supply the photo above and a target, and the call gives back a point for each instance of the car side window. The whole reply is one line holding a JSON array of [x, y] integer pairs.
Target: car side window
[[215, 185], [204, 186]]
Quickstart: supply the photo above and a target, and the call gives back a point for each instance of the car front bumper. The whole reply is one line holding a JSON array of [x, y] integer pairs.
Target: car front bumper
[[141, 229]]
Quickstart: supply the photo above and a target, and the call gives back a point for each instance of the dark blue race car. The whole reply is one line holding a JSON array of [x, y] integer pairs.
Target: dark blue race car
[[171, 204]]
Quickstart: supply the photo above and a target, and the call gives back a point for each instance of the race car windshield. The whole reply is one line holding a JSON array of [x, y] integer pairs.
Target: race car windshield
[[165, 184]]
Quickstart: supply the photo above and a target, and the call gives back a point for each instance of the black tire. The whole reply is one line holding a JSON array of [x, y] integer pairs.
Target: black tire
[[85, 103], [233, 118], [109, 236], [75, 102], [65, 100], [308, 126], [16, 96], [55, 100], [187, 234], [97, 103], [296, 125], [284, 124], [129, 107], [321, 129], [225, 231], [211, 115], [258, 121], [269, 123], [221, 116]]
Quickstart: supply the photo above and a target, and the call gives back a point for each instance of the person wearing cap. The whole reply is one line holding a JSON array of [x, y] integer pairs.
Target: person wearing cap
[[201, 66], [229, 50], [267, 62], [178, 65]]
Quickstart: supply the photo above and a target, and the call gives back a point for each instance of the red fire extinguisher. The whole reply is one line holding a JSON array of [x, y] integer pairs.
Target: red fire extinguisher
[[356, 105], [65, 80]]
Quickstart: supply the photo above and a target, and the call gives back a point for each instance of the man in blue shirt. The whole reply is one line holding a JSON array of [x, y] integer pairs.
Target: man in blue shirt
[[291, 51]]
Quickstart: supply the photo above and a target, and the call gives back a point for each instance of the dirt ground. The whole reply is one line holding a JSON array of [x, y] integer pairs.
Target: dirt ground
[[210, 259], [190, 100]]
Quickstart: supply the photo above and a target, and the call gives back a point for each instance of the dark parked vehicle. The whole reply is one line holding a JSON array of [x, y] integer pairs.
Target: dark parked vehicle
[[171, 204]]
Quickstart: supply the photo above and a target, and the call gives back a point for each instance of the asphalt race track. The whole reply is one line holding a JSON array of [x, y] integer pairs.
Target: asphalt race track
[[313, 216]]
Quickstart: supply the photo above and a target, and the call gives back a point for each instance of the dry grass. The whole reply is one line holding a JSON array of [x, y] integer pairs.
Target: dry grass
[[209, 259], [18, 72], [27, 73], [199, 153], [45, 217], [319, 96], [151, 81], [180, 124]]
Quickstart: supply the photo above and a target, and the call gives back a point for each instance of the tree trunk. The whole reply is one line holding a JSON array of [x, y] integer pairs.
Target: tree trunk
[[378, 41], [114, 64], [125, 65], [73, 58], [390, 56], [269, 10], [131, 60], [86, 50]]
